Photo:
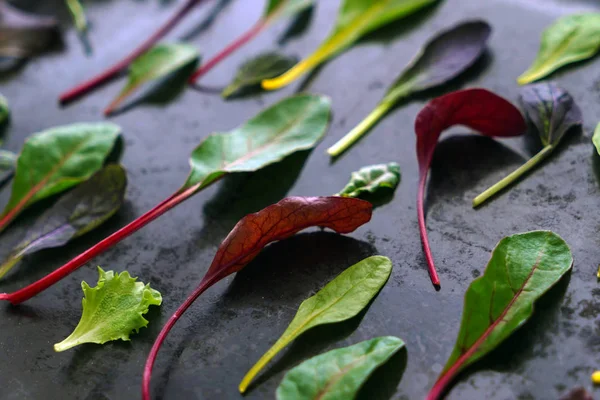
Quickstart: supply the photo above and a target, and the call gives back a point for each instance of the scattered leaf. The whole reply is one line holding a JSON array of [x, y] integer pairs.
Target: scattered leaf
[[372, 179], [253, 232], [159, 62], [4, 111], [23, 35], [341, 299], [84, 208], [55, 160], [355, 19], [8, 161], [443, 58], [570, 39], [253, 71], [339, 373], [523, 267], [553, 112], [112, 310], [478, 109]]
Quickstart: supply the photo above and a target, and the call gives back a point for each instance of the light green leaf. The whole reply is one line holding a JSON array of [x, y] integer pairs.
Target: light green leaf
[[55, 160], [596, 138], [112, 310], [523, 267], [371, 179], [253, 71], [285, 8], [355, 19], [341, 299], [570, 39], [295, 123], [338, 374], [158, 62]]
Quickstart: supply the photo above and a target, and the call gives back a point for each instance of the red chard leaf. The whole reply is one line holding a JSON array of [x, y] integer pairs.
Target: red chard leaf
[[478, 109], [253, 232]]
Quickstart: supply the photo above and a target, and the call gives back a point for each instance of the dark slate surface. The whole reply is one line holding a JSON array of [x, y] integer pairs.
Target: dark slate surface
[[236, 321]]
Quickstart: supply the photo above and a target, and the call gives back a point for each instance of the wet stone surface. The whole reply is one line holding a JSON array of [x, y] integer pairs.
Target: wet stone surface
[[231, 326]]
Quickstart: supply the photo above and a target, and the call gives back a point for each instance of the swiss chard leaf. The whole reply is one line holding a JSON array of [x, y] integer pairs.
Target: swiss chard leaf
[[252, 72], [23, 35], [112, 310], [253, 232], [479, 109], [372, 179], [341, 299], [553, 112], [355, 19], [570, 39], [78, 212], [522, 268], [159, 62], [443, 58], [55, 160], [339, 373]]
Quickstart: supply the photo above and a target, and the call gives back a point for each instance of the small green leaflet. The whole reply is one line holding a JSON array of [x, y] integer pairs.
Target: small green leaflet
[[7, 165], [338, 374], [252, 72], [295, 123], [78, 212], [570, 39], [522, 268], [55, 160], [112, 310], [596, 138], [158, 62], [341, 299], [4, 111], [285, 8], [355, 19], [372, 179]]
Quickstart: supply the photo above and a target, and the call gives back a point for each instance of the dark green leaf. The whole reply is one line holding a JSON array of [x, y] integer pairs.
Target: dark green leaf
[[372, 179], [23, 35], [285, 8], [78, 212], [4, 111], [55, 160], [570, 39], [341, 299], [523, 267], [338, 374], [263, 66]]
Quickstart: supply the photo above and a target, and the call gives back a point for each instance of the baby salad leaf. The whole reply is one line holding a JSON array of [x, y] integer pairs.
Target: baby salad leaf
[[55, 160], [341, 299], [253, 232], [522, 268], [355, 19], [479, 109], [443, 58], [4, 111], [252, 72], [22, 34], [158, 62], [339, 373], [84, 208], [570, 39], [7, 165], [372, 179], [596, 138], [112, 310], [553, 112]]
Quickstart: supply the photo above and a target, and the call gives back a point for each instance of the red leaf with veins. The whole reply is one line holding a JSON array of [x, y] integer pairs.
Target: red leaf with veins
[[478, 109], [254, 232]]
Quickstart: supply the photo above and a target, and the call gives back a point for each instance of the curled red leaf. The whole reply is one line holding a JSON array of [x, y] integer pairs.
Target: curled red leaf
[[478, 109], [253, 232]]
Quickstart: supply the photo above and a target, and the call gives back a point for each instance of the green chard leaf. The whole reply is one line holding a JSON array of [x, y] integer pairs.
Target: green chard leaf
[[159, 62], [341, 299], [4, 111], [338, 374], [570, 39], [596, 138], [523, 267], [112, 310], [252, 72], [553, 113], [355, 19], [55, 160], [78, 212], [372, 179], [295, 123]]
